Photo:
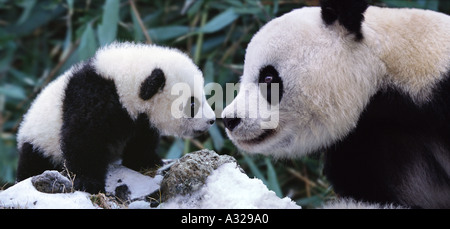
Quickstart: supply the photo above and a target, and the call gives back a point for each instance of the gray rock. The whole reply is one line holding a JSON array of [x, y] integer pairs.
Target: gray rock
[[189, 173], [52, 182]]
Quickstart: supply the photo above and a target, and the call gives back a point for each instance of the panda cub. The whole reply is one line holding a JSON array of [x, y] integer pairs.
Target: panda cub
[[370, 86], [113, 106]]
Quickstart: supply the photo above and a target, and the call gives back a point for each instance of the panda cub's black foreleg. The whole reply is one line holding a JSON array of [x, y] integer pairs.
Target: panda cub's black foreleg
[[32, 162], [94, 123], [140, 151], [88, 162]]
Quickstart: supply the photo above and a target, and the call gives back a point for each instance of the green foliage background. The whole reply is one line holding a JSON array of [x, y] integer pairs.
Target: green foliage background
[[39, 40]]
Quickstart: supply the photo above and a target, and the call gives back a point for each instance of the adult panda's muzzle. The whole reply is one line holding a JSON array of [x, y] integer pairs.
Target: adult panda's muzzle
[[231, 123]]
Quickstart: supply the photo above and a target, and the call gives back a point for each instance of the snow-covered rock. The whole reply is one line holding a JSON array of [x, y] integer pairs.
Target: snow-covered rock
[[25, 195], [52, 181], [227, 187], [189, 173], [203, 179]]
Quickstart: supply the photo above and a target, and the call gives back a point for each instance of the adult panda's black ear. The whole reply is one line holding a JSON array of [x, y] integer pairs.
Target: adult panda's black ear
[[154, 83], [349, 13]]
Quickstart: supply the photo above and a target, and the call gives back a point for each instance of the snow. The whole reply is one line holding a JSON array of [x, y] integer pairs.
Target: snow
[[140, 204], [227, 187], [139, 185], [24, 195]]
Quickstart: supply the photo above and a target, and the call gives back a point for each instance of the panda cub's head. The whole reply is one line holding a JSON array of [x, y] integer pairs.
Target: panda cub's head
[[161, 82]]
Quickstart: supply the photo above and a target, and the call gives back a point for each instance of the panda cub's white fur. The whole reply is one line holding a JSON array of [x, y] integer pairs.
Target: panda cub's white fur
[[41, 125]]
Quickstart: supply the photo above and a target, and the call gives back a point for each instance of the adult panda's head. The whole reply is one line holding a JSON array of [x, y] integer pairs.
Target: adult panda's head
[[328, 63], [146, 77]]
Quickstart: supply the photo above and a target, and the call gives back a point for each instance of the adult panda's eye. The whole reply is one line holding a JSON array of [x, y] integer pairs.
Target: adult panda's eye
[[192, 102], [269, 75], [268, 79], [192, 107]]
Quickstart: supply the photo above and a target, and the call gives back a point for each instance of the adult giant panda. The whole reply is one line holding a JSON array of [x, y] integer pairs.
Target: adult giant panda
[[121, 100], [370, 85]]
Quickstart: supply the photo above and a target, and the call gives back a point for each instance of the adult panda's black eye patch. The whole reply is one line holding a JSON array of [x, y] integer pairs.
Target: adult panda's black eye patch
[[269, 75], [152, 84]]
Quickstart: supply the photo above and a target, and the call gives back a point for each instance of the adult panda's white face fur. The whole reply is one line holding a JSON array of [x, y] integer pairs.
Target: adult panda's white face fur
[[145, 76], [327, 75]]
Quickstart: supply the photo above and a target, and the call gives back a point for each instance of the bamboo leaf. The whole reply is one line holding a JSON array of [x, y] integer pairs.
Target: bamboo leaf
[[88, 44], [38, 16], [176, 150], [168, 32], [28, 7], [138, 34], [194, 7], [22, 77], [313, 201], [7, 55], [219, 21], [13, 91], [272, 179], [424, 4], [68, 39], [216, 137], [107, 31], [254, 169], [208, 71]]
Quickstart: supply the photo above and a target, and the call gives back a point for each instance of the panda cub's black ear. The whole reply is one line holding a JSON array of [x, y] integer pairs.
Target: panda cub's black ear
[[154, 83], [349, 13]]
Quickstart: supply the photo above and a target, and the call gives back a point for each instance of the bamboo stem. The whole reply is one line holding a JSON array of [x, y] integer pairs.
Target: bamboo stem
[[141, 23], [199, 44]]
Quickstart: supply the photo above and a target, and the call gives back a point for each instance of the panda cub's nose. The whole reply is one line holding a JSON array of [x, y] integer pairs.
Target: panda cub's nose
[[211, 121], [231, 123]]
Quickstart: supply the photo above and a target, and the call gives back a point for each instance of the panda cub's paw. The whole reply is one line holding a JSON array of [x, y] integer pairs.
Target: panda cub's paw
[[54, 182]]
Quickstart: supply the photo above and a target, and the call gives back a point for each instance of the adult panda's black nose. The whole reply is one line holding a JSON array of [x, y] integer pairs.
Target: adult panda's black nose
[[231, 123]]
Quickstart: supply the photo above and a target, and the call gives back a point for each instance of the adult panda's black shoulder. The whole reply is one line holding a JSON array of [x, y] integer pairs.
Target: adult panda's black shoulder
[[114, 106], [369, 85]]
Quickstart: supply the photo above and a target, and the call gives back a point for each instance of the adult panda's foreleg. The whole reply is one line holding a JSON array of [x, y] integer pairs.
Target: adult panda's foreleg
[[140, 151]]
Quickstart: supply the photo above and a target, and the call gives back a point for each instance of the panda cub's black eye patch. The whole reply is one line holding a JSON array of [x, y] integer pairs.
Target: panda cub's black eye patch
[[152, 84], [270, 76]]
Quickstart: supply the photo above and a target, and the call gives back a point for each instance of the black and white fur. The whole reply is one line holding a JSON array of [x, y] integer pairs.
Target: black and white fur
[[369, 85], [113, 106]]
